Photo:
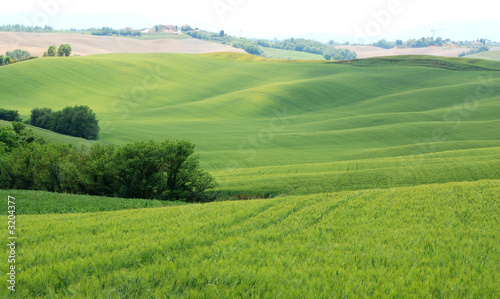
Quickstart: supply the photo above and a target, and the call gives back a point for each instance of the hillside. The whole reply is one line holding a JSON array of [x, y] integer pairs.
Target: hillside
[[85, 44], [52, 137], [423, 241], [266, 128], [371, 51], [490, 55]]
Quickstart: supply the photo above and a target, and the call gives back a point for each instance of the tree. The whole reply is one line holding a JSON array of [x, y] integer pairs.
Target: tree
[[221, 33], [19, 54], [9, 115], [7, 60], [18, 127], [1, 59], [51, 51], [64, 50], [41, 117], [78, 121], [186, 28]]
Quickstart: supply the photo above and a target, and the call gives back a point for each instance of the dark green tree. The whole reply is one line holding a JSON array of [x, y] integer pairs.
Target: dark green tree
[[9, 115], [78, 121], [41, 117]]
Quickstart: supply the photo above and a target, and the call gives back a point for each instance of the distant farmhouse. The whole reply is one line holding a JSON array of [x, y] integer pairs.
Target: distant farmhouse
[[170, 29]]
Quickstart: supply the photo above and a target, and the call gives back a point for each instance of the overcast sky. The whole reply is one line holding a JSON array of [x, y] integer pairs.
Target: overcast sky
[[264, 18]]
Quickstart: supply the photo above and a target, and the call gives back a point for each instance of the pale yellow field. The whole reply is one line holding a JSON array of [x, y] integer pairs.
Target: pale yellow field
[[85, 44]]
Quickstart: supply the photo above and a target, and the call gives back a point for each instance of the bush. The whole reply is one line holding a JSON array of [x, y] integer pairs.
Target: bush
[[41, 117], [150, 170], [78, 121], [9, 115]]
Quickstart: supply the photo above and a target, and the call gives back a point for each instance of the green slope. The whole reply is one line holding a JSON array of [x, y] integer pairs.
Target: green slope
[[53, 137], [489, 55], [423, 241], [267, 127], [289, 54]]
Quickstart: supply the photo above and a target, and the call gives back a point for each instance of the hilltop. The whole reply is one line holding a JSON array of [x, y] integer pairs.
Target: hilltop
[[85, 44]]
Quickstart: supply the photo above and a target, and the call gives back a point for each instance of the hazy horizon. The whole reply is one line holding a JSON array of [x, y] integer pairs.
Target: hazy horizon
[[359, 21]]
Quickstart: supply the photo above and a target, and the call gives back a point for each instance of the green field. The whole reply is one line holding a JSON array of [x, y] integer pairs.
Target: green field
[[289, 54], [272, 127], [41, 202], [424, 241], [376, 177], [490, 55]]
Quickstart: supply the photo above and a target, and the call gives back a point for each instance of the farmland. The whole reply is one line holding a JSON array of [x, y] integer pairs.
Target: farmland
[[266, 128], [369, 178], [489, 55], [423, 241]]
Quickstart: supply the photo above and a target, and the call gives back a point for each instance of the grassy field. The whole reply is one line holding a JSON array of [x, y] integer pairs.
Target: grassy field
[[273, 127], [385, 175], [288, 54], [41, 202], [490, 55], [423, 241]]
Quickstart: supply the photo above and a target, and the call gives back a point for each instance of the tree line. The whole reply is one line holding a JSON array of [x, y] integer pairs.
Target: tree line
[[63, 50], [152, 170], [77, 121], [24, 28], [15, 56], [9, 115], [111, 31], [474, 51], [328, 51], [251, 47]]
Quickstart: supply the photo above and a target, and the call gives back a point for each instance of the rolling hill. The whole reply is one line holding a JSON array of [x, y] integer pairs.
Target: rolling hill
[[85, 44], [490, 55], [422, 241], [385, 174], [269, 127]]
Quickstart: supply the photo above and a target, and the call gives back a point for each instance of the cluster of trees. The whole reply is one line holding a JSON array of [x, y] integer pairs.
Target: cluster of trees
[[12, 138], [111, 31], [63, 50], [9, 115], [78, 121], [310, 46], [15, 56], [411, 43], [24, 28], [249, 46], [386, 44], [339, 54], [253, 46], [153, 170], [483, 48]]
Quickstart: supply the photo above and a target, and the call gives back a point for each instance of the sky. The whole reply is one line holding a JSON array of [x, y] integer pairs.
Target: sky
[[358, 21]]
